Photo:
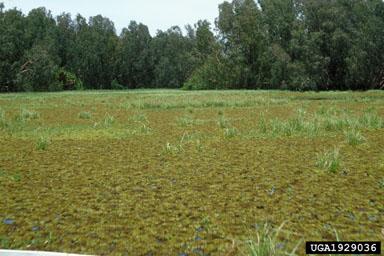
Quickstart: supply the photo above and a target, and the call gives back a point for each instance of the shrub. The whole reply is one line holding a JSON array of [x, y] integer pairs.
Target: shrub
[[115, 85], [66, 80], [215, 73], [38, 70]]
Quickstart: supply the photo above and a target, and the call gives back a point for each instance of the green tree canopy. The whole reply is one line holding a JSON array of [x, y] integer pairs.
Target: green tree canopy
[[269, 44]]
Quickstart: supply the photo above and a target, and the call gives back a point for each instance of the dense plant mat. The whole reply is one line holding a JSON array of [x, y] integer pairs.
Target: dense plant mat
[[188, 173]]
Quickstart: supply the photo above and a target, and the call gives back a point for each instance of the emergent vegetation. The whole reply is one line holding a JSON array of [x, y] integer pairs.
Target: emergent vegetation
[[172, 172]]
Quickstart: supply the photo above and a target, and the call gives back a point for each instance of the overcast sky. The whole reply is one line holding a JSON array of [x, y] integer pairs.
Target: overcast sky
[[156, 14]]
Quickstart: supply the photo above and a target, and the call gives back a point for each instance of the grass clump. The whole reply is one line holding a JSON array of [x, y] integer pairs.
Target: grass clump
[[26, 115], [294, 126], [170, 148], [108, 120], [177, 147], [185, 121], [14, 177], [5, 242], [371, 120], [140, 117], [85, 115], [3, 121], [381, 183], [230, 132], [267, 243], [354, 137], [42, 143], [329, 160], [262, 124], [144, 129], [223, 122], [323, 121]]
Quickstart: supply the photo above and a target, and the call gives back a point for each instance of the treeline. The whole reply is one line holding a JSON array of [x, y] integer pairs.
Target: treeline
[[264, 44]]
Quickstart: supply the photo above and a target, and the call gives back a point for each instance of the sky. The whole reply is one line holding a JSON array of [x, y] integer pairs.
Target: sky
[[156, 14]]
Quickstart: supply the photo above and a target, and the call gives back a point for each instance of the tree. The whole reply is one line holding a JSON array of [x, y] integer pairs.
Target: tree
[[270, 44], [133, 64], [38, 71], [365, 61], [244, 41], [13, 43], [172, 58], [41, 27], [205, 40], [94, 52], [65, 36]]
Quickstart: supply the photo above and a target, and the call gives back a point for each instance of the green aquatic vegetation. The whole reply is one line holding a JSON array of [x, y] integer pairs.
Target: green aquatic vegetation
[[16, 177], [354, 137], [329, 160], [276, 127], [267, 243], [26, 115], [85, 115], [144, 129], [140, 117], [223, 122], [189, 137], [230, 132], [328, 111], [381, 183], [5, 242], [199, 145], [189, 110], [313, 129], [337, 238], [42, 143], [108, 121], [178, 147], [334, 124], [296, 124], [299, 124], [142, 124], [323, 110], [371, 120], [262, 124], [3, 120], [194, 139], [119, 179], [171, 148], [312, 125], [186, 121]]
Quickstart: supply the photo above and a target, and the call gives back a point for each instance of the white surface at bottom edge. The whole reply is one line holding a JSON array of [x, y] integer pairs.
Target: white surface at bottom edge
[[34, 253]]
